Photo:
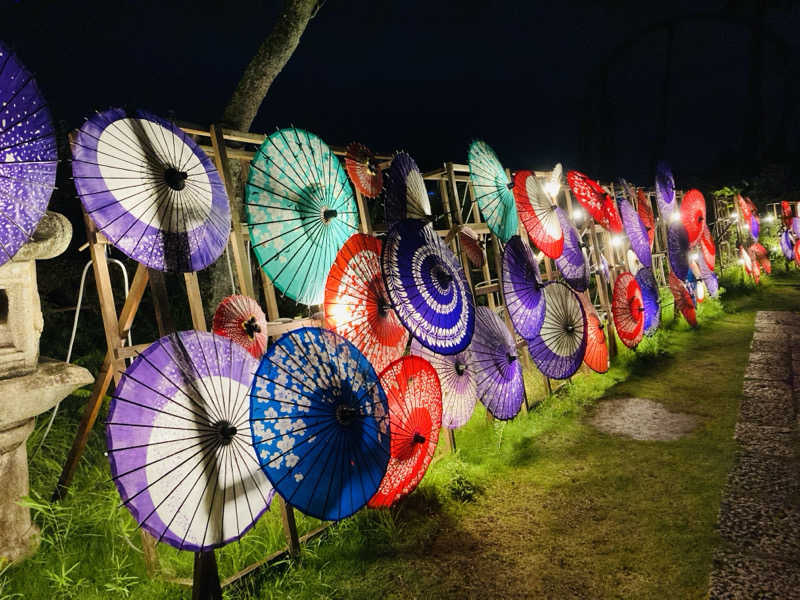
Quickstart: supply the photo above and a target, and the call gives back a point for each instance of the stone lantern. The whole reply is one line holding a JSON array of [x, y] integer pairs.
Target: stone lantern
[[28, 386]]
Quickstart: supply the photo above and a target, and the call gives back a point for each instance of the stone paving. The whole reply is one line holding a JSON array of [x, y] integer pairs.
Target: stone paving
[[759, 518]]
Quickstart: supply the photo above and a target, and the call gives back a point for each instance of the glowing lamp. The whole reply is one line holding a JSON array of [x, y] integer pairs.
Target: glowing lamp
[[675, 216], [616, 241]]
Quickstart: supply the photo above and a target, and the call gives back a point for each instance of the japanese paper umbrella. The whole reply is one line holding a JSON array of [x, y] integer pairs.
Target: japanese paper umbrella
[[595, 200], [628, 309], [457, 377], [786, 213], [241, 319], [301, 209], [708, 248], [572, 263], [787, 244], [645, 212], [708, 277], [28, 155], [596, 354], [522, 287], [492, 190], [693, 214], [677, 249], [796, 226], [538, 214], [151, 190], [405, 196], [797, 252], [415, 418], [650, 300], [179, 442], [364, 172], [636, 230], [472, 246], [755, 226], [320, 423], [665, 190], [683, 301], [357, 305], [427, 287], [744, 208], [558, 349], [497, 369]]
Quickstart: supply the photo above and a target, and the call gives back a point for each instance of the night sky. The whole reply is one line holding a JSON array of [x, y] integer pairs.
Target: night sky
[[428, 77]]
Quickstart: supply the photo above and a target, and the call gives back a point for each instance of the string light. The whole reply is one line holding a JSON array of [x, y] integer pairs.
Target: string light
[[578, 215], [616, 241], [675, 216]]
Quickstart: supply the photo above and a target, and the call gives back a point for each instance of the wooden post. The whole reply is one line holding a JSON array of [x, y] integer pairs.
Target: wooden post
[[602, 288], [195, 301], [289, 528], [206, 585]]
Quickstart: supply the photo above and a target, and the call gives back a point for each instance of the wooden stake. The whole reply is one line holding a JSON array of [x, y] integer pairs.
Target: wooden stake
[[206, 585]]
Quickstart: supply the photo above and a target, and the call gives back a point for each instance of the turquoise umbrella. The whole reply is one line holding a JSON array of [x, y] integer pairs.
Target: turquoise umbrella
[[492, 190], [300, 209]]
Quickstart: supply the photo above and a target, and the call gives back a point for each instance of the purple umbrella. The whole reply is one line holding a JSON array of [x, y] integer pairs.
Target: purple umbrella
[[677, 249], [708, 277], [665, 190], [522, 287], [637, 232], [796, 226], [755, 227], [179, 441], [572, 263], [405, 196], [559, 346], [497, 369], [650, 299], [457, 377], [787, 245], [427, 287], [28, 155], [151, 190], [604, 268]]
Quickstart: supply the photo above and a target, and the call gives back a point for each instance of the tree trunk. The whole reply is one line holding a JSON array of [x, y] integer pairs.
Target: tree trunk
[[269, 60]]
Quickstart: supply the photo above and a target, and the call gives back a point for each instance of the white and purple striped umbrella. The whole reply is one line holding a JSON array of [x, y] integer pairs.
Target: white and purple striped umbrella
[[787, 244], [457, 377], [572, 263], [522, 287], [497, 369], [179, 441], [151, 190], [28, 155], [405, 196], [665, 190], [558, 348]]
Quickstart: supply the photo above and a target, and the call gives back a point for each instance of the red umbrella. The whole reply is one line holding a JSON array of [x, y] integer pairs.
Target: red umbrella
[[786, 214], [754, 264], [628, 309], [364, 172], [538, 214], [415, 418], [744, 208], [472, 246], [683, 301], [707, 247], [693, 214], [596, 200], [241, 319], [356, 305], [797, 252], [596, 354], [645, 211]]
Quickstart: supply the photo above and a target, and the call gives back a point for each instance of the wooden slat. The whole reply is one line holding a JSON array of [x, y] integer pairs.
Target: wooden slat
[[195, 301]]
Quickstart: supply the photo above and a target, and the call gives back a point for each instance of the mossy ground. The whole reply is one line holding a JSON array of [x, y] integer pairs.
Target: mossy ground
[[541, 506]]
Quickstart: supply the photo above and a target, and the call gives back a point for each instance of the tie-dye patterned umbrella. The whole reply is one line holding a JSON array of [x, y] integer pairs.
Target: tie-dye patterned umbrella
[[363, 169], [151, 190], [405, 196], [595, 200], [559, 346], [572, 263], [427, 287], [787, 244], [522, 287], [241, 319], [415, 418], [357, 305], [538, 213], [636, 230], [457, 376], [497, 369], [179, 441], [320, 423], [301, 209], [28, 155], [492, 190], [665, 191]]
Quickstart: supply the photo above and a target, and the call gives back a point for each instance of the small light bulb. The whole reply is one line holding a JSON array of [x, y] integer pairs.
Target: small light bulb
[[741, 261], [616, 241], [694, 256], [735, 216], [675, 216], [776, 249], [578, 214]]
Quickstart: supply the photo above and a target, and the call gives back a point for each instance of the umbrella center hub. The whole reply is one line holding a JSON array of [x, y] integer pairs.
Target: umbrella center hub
[[225, 432], [383, 306], [442, 276], [460, 368], [175, 179], [329, 213], [345, 414], [251, 328], [510, 357], [418, 438]]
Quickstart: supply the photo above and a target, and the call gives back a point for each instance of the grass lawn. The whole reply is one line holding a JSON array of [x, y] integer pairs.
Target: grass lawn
[[541, 506]]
